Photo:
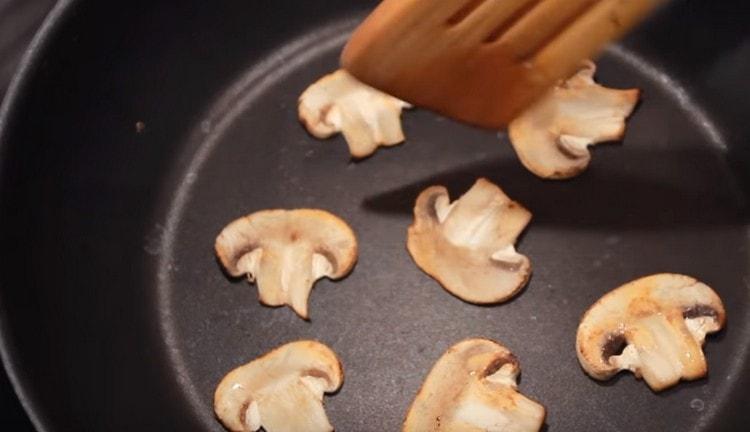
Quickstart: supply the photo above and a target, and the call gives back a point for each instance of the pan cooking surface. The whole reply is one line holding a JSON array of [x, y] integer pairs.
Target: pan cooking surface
[[662, 201], [138, 129]]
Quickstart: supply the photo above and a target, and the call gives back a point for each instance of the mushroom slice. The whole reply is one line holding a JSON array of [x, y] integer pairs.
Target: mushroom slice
[[654, 326], [552, 137], [367, 117], [281, 390], [472, 387], [468, 245], [286, 251]]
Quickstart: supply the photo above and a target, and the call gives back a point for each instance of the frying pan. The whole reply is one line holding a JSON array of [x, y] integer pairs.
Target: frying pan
[[116, 316]]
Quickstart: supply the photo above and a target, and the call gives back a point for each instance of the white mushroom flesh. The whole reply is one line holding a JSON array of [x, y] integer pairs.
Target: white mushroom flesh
[[701, 326], [658, 323], [473, 387], [552, 138], [368, 118], [281, 391], [468, 245], [286, 251]]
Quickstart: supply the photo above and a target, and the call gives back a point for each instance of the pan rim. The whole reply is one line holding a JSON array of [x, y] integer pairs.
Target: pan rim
[[29, 61]]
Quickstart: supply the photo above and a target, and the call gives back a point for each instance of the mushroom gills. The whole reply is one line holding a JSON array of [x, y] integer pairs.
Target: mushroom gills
[[700, 321], [249, 264], [506, 375], [699, 327]]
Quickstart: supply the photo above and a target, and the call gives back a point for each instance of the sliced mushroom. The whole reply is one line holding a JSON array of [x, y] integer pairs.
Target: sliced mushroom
[[654, 326], [286, 251], [552, 137], [367, 117], [472, 387], [281, 390], [468, 245]]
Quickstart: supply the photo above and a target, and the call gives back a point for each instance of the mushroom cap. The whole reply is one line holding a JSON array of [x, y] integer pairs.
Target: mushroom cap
[[654, 326], [367, 117], [281, 391], [286, 251], [468, 245], [473, 387], [552, 137]]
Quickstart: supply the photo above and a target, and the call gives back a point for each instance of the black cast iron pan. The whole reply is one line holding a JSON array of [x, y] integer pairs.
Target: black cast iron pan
[[116, 316]]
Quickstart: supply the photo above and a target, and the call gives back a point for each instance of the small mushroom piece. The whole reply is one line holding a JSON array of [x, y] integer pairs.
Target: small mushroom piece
[[286, 251], [367, 117], [468, 245], [654, 326], [472, 387], [552, 137], [281, 390]]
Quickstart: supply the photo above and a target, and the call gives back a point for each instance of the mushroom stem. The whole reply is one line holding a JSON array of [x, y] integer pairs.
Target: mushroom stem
[[285, 404], [286, 277], [474, 411]]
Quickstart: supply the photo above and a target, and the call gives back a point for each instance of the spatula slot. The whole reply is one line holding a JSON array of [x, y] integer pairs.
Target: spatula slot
[[541, 25], [465, 10], [506, 24]]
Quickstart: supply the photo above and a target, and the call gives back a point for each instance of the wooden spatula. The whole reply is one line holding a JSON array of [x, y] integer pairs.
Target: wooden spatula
[[482, 61]]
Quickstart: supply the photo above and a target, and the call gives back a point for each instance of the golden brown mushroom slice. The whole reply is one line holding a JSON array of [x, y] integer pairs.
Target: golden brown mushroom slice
[[281, 391], [552, 137], [368, 118], [468, 245], [654, 326], [472, 388], [286, 251]]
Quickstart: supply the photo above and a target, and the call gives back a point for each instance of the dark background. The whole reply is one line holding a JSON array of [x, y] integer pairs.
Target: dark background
[[19, 20]]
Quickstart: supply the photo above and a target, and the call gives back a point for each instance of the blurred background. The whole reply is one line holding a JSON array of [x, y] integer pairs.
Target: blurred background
[[19, 20]]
